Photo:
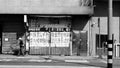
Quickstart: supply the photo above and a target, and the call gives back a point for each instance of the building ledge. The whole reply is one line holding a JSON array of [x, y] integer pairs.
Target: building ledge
[[47, 10]]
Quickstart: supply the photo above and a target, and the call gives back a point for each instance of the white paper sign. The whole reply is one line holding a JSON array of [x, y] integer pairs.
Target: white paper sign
[[6, 39], [39, 39]]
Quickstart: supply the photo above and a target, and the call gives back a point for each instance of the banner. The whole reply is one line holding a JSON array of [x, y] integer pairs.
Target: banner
[[60, 39], [39, 39]]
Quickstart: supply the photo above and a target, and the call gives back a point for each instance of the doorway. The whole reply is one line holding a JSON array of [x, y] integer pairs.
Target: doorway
[[79, 46], [102, 47]]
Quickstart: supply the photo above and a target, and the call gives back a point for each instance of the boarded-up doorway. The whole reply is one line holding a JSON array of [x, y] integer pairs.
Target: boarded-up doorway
[[79, 46], [8, 40], [102, 47]]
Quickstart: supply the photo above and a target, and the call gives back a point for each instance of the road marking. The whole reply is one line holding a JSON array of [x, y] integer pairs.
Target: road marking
[[78, 61], [40, 60], [7, 59]]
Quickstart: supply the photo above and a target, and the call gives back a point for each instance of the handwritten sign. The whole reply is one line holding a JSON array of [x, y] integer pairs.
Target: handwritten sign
[[39, 39]]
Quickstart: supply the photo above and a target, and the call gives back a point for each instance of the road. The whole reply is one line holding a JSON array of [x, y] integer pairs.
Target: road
[[24, 62]]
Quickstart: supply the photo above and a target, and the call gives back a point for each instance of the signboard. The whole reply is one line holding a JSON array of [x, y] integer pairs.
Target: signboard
[[39, 39], [60, 39]]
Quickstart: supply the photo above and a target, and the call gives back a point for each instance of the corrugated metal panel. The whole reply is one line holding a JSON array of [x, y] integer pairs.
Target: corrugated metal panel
[[8, 39], [59, 43], [53, 50], [39, 50], [60, 50]]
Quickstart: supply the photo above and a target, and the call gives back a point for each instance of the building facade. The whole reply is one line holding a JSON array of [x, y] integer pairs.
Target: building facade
[[57, 27], [99, 27]]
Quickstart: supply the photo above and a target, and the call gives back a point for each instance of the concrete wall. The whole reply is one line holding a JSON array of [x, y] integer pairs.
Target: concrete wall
[[45, 7], [101, 11], [93, 29]]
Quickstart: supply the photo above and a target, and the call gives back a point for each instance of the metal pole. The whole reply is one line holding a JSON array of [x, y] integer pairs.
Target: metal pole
[[110, 40], [100, 47], [49, 44], [71, 43]]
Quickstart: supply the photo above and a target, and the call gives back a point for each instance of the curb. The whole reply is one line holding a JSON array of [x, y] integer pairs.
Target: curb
[[77, 61]]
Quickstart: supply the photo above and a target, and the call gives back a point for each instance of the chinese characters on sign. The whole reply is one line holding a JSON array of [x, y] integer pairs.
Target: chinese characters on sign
[[41, 39]]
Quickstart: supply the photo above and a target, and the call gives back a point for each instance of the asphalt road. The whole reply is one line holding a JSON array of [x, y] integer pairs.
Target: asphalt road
[[22, 62]]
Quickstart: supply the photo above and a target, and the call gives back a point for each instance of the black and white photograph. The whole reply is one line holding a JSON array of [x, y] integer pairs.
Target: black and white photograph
[[59, 33]]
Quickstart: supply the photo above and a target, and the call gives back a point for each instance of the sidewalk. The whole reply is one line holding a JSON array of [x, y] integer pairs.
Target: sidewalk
[[52, 57], [82, 60], [38, 58], [15, 56]]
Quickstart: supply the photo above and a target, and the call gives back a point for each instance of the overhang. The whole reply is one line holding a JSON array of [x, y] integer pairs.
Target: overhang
[[45, 7], [46, 10]]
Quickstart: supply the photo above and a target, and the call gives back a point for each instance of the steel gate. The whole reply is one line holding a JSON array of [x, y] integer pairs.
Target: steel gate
[[54, 43]]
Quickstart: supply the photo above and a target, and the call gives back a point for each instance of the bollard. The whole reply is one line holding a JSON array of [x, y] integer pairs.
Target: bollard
[[110, 53]]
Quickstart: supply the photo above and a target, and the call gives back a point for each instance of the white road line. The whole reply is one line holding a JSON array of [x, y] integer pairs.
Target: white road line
[[78, 61], [7, 59], [32, 66], [40, 60], [104, 61]]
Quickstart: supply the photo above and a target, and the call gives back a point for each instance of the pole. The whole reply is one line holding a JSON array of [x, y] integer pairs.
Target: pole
[[71, 43], [49, 44], [100, 52], [110, 40], [25, 21]]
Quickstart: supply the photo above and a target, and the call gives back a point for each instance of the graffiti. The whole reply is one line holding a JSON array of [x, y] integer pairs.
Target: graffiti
[[85, 2], [58, 39], [40, 39]]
